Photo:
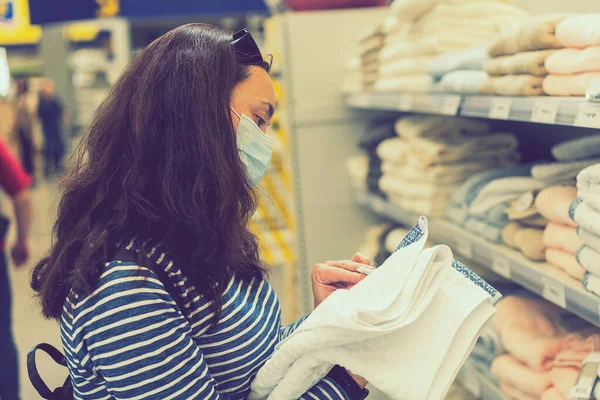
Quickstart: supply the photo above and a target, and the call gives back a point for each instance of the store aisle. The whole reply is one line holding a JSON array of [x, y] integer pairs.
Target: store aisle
[[29, 327]]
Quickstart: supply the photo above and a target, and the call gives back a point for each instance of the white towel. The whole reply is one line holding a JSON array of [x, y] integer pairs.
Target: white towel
[[589, 239], [585, 216], [555, 173], [592, 284], [588, 180], [470, 59], [501, 190], [412, 83], [579, 31], [589, 259], [387, 329], [462, 82], [404, 66]]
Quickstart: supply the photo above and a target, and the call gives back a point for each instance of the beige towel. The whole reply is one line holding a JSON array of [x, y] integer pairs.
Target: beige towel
[[569, 85], [415, 83], [531, 62], [395, 186], [513, 85], [449, 173], [431, 125], [404, 66], [537, 33], [574, 61]]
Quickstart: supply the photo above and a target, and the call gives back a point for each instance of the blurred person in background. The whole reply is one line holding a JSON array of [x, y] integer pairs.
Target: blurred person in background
[[51, 114], [153, 272], [23, 127], [14, 182]]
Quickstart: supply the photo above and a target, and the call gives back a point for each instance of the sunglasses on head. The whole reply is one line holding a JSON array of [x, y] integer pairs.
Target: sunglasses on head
[[246, 48]]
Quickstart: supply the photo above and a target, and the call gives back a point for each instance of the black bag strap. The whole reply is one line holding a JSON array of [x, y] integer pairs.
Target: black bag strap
[[66, 391]]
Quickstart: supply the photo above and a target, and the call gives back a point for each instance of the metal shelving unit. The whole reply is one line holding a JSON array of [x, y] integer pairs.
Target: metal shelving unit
[[568, 111], [539, 278]]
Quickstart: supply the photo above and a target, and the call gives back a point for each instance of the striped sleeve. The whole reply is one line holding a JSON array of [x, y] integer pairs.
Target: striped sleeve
[[140, 343], [325, 389], [289, 329]]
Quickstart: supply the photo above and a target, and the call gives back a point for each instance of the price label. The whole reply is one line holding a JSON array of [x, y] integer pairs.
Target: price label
[[451, 105], [583, 389], [555, 292], [465, 247], [378, 205], [500, 108], [472, 384], [501, 266], [588, 116], [405, 103], [544, 111]]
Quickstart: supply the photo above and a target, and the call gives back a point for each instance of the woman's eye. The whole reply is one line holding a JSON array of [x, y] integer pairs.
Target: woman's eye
[[260, 121]]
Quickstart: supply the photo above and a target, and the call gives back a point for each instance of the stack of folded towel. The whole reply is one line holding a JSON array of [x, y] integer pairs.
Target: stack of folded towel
[[560, 236], [432, 155], [573, 68], [427, 28], [516, 66], [542, 359], [459, 71], [525, 230], [481, 204], [365, 170], [370, 43], [585, 212]]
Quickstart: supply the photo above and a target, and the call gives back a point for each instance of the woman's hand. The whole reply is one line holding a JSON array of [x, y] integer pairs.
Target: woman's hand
[[333, 275]]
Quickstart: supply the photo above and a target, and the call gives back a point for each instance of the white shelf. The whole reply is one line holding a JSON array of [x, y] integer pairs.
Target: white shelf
[[550, 110], [540, 278], [479, 385]]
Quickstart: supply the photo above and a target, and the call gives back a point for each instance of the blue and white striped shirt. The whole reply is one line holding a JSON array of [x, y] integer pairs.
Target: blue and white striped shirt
[[143, 335]]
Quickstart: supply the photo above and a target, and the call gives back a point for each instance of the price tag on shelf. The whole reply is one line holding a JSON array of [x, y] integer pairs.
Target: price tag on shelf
[[465, 248], [500, 108], [450, 105], [583, 388], [472, 384], [554, 291], [588, 116], [544, 111], [501, 266], [405, 103]]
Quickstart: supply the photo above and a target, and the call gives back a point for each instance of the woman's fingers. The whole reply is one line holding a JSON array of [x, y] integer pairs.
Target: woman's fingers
[[361, 258], [347, 265], [328, 274]]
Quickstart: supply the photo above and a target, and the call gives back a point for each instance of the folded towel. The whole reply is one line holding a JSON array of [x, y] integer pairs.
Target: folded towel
[[515, 373], [552, 394], [574, 61], [358, 167], [435, 173], [500, 158], [591, 283], [554, 173], [530, 242], [579, 31], [553, 203], [462, 82], [530, 329], [562, 237], [566, 262], [501, 190], [469, 190], [536, 33], [469, 59], [588, 179], [393, 149], [530, 63], [395, 186], [578, 149], [589, 259], [497, 215], [513, 85], [509, 234], [589, 239], [522, 207], [404, 66], [430, 126], [415, 83], [564, 380], [585, 216], [575, 347], [569, 85], [365, 333]]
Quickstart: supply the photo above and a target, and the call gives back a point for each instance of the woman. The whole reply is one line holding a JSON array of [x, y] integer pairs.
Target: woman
[[153, 273], [24, 127]]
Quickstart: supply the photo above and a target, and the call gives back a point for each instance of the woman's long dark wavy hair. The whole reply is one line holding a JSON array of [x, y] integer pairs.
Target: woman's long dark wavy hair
[[160, 160]]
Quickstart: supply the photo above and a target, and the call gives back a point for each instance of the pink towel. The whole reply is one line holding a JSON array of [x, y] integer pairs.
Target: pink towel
[[568, 85], [510, 371], [566, 262], [564, 379], [529, 329], [573, 61], [553, 203], [562, 237], [515, 394], [575, 347], [552, 394], [579, 31]]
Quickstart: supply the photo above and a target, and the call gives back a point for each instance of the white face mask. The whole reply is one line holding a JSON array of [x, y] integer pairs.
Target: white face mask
[[255, 148]]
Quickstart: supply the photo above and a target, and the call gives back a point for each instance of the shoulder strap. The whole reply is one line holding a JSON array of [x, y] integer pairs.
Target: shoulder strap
[[66, 391]]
